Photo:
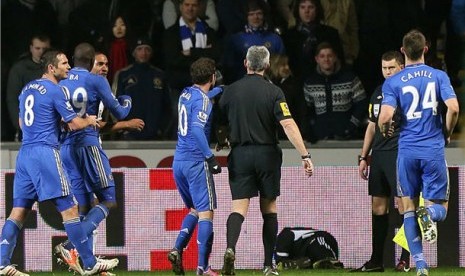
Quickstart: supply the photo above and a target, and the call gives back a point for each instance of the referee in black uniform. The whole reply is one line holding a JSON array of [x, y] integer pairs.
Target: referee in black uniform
[[254, 107], [382, 178]]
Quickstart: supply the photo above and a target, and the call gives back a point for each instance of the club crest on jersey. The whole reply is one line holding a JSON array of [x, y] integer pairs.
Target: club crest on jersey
[[202, 116], [157, 83], [285, 109]]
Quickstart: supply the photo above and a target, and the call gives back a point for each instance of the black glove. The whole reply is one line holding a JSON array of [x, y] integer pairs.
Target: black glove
[[213, 165]]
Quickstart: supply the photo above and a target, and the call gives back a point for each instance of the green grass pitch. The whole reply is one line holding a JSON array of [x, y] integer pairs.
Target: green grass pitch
[[443, 271]]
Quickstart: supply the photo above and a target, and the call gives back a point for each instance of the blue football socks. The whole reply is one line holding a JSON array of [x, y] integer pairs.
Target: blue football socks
[[187, 228], [76, 235], [8, 240], [437, 212], [203, 237], [412, 233]]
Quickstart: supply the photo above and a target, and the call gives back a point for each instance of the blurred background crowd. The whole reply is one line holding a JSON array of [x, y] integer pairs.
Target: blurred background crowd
[[325, 53]]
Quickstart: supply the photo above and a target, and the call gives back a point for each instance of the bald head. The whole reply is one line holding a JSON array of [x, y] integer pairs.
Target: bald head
[[84, 55]]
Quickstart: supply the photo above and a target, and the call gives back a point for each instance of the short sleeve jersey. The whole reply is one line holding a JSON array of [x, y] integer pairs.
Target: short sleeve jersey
[[194, 108], [254, 108], [86, 91], [42, 106], [417, 90]]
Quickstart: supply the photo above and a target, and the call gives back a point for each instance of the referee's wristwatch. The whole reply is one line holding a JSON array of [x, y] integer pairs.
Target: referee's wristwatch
[[362, 158], [307, 156]]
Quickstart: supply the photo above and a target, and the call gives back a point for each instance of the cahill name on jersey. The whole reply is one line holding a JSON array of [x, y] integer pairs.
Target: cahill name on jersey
[[418, 90]]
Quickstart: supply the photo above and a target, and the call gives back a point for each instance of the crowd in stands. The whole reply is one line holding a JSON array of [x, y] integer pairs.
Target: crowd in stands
[[325, 53]]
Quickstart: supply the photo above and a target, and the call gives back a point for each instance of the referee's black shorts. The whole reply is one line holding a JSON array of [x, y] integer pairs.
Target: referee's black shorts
[[254, 170], [382, 181]]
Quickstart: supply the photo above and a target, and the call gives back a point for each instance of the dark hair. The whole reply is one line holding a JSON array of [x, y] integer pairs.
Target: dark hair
[[413, 44], [319, 12], [324, 45], [390, 55], [202, 70], [40, 36], [50, 57], [84, 55]]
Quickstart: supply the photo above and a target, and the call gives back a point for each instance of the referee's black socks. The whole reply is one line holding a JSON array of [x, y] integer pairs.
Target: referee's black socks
[[269, 233], [233, 227]]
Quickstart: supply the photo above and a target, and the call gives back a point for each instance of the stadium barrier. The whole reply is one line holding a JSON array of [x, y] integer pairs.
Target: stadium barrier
[[143, 228]]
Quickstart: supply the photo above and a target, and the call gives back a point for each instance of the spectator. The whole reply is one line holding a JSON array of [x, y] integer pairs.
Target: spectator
[[281, 75], [255, 33], [183, 43], [22, 19], [207, 13], [341, 15], [335, 97], [301, 41], [26, 69], [119, 49], [149, 92]]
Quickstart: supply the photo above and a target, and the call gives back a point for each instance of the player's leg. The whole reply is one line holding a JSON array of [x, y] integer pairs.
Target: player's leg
[[404, 262], [10, 232], [202, 191], [436, 189], [77, 235], [190, 220], [98, 179], [24, 197], [409, 187]]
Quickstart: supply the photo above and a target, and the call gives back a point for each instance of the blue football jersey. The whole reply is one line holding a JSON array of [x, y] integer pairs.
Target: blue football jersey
[[42, 106], [417, 90], [194, 108], [86, 91]]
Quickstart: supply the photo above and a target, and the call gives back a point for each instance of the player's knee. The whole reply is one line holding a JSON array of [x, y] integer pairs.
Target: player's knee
[[110, 204]]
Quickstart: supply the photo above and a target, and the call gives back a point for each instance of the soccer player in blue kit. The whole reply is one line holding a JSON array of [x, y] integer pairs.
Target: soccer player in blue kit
[[43, 107], [84, 160], [421, 164], [193, 166]]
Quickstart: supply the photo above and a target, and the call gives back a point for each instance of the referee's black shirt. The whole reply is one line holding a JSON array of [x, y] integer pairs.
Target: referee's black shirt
[[380, 142], [254, 107]]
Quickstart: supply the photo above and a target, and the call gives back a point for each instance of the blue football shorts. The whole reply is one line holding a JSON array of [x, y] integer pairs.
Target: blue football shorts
[[195, 184], [88, 169], [431, 177], [39, 174]]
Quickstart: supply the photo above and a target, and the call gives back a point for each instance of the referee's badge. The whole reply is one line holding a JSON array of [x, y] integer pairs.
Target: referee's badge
[[376, 109], [285, 109]]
